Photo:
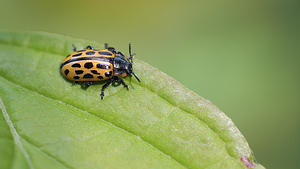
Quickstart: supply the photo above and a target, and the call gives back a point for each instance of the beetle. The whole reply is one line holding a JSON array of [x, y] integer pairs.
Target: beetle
[[90, 65]]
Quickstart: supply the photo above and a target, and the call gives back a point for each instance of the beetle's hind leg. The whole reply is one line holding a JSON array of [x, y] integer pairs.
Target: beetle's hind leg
[[105, 86]]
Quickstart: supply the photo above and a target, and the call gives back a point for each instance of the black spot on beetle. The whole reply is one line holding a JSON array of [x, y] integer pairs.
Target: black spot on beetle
[[87, 59], [105, 53], [103, 66], [99, 77], [90, 53], [108, 74], [67, 72], [78, 72], [78, 54], [76, 77], [88, 65], [95, 72], [76, 65], [88, 76]]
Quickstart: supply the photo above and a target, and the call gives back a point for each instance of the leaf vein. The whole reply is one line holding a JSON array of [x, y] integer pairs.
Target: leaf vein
[[15, 135], [191, 114], [46, 154]]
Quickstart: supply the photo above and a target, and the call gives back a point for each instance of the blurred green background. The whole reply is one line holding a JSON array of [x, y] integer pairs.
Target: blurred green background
[[241, 55]]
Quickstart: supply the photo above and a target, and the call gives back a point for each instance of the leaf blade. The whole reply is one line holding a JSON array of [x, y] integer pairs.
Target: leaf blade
[[166, 116]]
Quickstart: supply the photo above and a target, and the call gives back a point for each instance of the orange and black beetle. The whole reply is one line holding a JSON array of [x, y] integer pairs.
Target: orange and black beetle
[[89, 65]]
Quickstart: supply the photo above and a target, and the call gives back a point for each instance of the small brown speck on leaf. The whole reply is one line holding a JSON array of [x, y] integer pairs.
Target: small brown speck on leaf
[[247, 162]]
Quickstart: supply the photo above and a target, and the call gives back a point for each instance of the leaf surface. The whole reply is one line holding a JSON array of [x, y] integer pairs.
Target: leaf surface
[[45, 122]]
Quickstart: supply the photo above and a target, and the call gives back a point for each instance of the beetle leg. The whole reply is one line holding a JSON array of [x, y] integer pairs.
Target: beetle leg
[[119, 80], [87, 84], [74, 48], [89, 47], [109, 48], [105, 86], [120, 53], [74, 83], [112, 49]]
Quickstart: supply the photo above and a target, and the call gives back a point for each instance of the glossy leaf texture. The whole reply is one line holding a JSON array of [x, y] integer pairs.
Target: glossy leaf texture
[[46, 122]]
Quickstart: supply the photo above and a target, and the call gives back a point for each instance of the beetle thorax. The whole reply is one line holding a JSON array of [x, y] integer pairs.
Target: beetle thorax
[[122, 67]]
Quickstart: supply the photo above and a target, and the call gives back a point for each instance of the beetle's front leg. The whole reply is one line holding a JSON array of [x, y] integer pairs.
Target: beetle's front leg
[[119, 80]]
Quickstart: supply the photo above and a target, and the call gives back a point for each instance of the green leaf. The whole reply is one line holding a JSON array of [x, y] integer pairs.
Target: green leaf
[[46, 122]]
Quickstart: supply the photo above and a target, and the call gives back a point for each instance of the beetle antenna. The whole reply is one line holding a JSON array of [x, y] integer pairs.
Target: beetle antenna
[[136, 77], [130, 55], [130, 49]]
